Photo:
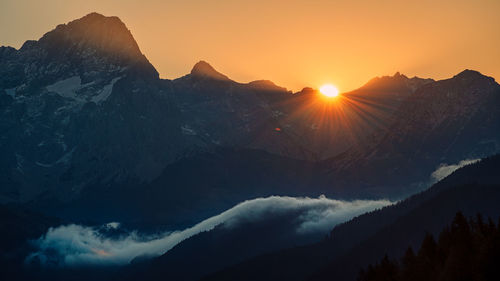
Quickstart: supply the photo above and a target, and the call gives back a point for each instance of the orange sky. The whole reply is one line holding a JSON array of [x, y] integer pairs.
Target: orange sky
[[293, 43]]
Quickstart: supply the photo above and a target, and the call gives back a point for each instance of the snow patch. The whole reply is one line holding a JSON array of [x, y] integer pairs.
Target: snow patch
[[186, 130], [43, 165], [66, 88], [11, 92], [66, 157], [105, 92], [19, 163]]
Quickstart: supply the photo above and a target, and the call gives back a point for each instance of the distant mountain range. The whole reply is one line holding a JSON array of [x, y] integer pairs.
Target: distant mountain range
[[86, 119]]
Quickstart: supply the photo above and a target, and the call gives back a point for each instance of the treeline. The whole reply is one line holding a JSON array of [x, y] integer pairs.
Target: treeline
[[465, 250]]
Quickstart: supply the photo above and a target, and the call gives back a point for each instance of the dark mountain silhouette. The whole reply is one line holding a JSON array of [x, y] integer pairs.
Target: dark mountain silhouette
[[363, 240], [204, 70], [223, 246], [266, 85]]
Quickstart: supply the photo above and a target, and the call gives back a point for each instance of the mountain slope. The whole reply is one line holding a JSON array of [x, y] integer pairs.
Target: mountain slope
[[225, 245], [468, 250], [354, 244], [191, 189], [430, 217], [443, 122]]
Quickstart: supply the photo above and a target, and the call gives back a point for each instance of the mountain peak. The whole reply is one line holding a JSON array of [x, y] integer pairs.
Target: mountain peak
[[307, 91], [468, 73], [97, 32], [399, 75], [398, 84], [384, 82], [266, 85], [205, 70], [92, 42], [96, 16], [472, 77]]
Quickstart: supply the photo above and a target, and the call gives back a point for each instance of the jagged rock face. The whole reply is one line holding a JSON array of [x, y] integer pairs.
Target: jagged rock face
[[222, 112], [76, 109], [452, 115], [60, 144], [88, 47]]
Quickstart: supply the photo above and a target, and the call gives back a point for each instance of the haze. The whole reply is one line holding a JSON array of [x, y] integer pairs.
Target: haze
[[293, 43]]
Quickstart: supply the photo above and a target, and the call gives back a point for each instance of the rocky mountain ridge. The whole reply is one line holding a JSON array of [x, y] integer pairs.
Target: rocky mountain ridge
[[82, 108]]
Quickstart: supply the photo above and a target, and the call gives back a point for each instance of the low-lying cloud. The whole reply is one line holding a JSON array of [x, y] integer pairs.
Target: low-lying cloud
[[445, 170], [75, 245]]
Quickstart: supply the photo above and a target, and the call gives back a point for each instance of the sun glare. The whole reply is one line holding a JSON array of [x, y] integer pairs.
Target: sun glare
[[329, 90]]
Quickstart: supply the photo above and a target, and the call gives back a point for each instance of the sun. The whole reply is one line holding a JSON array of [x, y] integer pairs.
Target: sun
[[329, 90]]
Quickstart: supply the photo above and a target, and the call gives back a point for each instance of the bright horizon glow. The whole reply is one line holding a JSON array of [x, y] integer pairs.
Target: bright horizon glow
[[329, 90], [296, 43]]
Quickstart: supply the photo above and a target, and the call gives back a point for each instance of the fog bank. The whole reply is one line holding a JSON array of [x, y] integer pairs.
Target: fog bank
[[75, 245]]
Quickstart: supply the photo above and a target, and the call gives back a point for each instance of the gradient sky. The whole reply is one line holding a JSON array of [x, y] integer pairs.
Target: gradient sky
[[293, 43]]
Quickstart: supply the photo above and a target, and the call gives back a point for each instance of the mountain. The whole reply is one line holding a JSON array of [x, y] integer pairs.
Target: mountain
[[441, 123], [87, 47], [60, 111], [82, 110], [226, 245], [204, 70], [261, 115], [330, 127], [408, 230], [390, 230], [85, 118]]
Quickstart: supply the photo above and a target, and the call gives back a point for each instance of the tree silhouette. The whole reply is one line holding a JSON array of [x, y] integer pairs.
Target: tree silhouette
[[465, 250]]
